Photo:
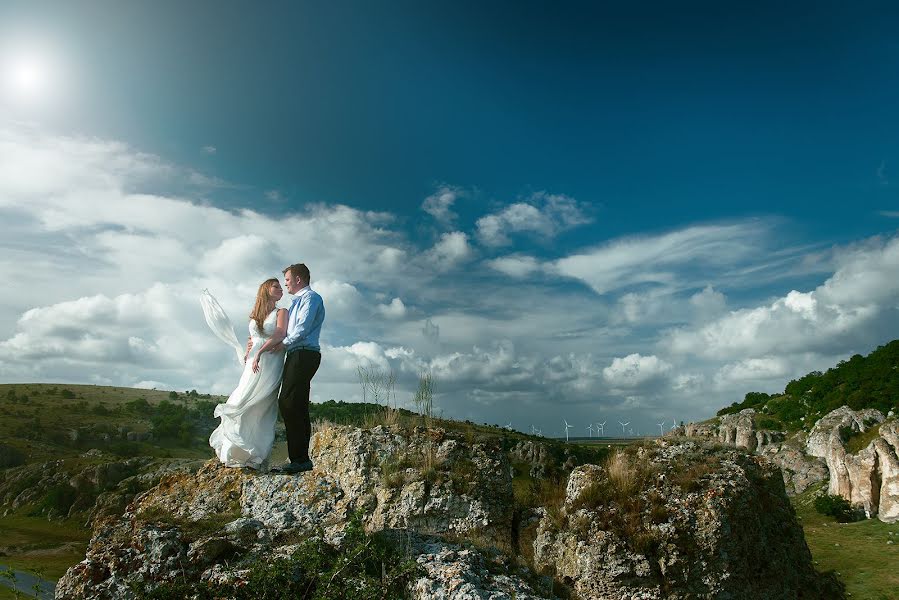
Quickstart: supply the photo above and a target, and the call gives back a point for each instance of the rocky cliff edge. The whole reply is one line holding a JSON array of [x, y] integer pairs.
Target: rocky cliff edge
[[681, 520]]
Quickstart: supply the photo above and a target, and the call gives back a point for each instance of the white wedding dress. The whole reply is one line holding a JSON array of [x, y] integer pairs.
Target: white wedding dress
[[247, 431]]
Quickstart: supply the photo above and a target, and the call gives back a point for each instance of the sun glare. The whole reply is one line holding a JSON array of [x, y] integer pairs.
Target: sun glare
[[27, 77]]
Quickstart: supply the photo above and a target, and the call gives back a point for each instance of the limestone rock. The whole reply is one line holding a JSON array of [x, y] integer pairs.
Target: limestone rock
[[424, 481], [799, 470], [701, 523], [869, 479], [453, 572], [821, 436]]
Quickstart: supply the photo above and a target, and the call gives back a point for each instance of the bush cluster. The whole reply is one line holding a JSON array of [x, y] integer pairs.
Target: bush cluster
[[860, 382], [836, 507]]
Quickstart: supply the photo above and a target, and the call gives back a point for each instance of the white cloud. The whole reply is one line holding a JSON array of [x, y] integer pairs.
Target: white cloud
[[853, 305], [344, 299], [634, 370], [515, 265], [152, 385], [450, 250], [670, 259], [395, 310], [112, 296], [439, 205], [752, 370], [708, 303], [208, 149], [544, 215]]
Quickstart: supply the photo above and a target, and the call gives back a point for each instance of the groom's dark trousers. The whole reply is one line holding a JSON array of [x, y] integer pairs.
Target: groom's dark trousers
[[299, 369]]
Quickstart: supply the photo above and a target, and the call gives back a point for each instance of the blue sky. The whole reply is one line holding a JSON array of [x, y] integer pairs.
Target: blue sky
[[605, 209]]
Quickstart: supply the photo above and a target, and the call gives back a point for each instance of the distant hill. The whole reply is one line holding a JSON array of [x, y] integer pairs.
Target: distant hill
[[41, 422], [861, 382]]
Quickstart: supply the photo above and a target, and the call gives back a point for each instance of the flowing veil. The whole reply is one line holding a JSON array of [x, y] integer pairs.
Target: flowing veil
[[220, 324]]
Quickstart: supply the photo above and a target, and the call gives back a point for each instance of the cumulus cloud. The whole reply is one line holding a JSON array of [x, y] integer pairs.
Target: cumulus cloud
[[752, 370], [450, 250], [708, 303], [649, 329], [439, 205], [544, 215], [395, 310], [635, 370], [851, 306]]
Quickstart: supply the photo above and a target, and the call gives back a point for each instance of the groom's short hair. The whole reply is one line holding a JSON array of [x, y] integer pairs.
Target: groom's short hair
[[298, 269]]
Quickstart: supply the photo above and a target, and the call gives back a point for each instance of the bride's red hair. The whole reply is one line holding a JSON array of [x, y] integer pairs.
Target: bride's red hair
[[264, 302]]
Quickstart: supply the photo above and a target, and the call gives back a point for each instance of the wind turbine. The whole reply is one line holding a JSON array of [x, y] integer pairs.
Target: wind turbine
[[590, 429], [567, 427], [509, 426], [661, 428], [673, 424], [601, 427], [622, 426]]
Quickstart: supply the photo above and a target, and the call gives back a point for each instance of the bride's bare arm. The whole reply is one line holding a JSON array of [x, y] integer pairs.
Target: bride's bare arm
[[273, 342]]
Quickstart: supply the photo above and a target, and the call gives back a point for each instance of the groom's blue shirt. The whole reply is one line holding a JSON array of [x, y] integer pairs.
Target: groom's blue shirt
[[304, 321]]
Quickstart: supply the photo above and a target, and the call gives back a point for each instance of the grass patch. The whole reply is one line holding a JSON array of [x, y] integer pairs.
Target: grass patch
[[192, 530], [7, 594], [858, 552], [856, 441], [38, 545]]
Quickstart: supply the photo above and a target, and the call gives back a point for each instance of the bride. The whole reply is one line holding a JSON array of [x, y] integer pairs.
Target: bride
[[247, 430]]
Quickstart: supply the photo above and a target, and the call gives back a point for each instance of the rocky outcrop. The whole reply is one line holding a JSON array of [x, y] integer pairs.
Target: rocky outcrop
[[534, 454], [695, 521], [69, 488], [422, 481], [702, 523], [799, 470], [868, 478], [738, 430], [460, 573]]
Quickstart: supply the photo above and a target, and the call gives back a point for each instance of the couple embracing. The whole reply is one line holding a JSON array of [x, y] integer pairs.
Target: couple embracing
[[247, 430]]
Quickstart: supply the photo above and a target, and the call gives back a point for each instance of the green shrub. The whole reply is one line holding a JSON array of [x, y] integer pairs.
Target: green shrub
[[836, 507], [59, 497], [139, 406], [10, 457]]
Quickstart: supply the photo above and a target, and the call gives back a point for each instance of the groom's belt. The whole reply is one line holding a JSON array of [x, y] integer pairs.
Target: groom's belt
[[303, 348]]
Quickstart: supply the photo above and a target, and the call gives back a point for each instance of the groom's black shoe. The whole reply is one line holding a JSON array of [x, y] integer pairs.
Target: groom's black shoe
[[292, 468]]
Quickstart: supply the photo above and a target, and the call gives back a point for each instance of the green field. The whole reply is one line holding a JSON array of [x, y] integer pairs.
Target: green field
[[34, 544], [858, 552]]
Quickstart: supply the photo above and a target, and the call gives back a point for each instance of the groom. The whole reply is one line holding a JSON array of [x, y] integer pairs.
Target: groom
[[304, 323]]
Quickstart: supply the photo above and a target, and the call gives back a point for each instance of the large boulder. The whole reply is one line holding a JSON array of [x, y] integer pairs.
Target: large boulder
[[681, 520], [421, 481], [869, 477]]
